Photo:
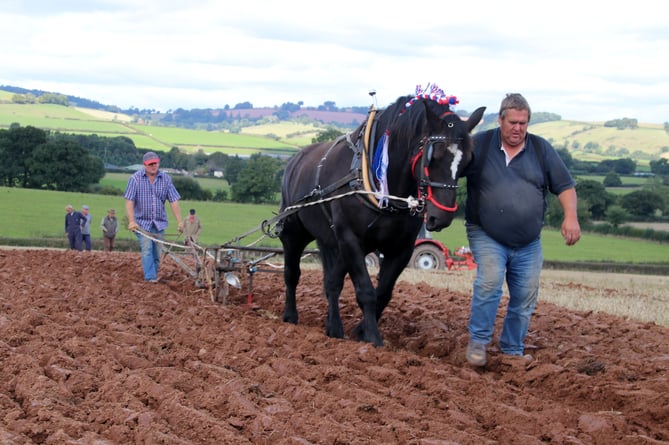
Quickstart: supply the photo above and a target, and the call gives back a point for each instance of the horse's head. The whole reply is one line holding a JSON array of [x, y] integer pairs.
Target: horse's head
[[444, 150]]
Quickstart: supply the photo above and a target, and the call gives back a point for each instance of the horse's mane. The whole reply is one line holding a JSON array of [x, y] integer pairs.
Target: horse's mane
[[385, 116], [406, 121]]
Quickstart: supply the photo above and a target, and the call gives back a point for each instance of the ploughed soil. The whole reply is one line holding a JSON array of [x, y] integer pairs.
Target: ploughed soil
[[90, 354]]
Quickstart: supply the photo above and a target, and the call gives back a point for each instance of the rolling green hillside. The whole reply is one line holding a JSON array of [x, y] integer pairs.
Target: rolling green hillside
[[647, 142], [81, 121]]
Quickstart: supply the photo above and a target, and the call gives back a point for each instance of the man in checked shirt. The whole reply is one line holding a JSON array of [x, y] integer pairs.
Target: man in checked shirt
[[145, 197]]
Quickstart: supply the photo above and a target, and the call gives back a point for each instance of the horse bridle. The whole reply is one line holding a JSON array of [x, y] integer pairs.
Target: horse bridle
[[425, 184]]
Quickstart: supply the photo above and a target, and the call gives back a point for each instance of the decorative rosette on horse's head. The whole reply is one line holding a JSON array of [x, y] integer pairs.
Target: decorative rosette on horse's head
[[432, 92]]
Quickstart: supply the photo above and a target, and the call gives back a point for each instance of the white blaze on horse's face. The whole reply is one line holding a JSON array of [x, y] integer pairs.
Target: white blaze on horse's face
[[457, 157]]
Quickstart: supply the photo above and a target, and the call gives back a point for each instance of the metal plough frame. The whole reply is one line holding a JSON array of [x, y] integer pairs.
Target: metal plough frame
[[217, 269]]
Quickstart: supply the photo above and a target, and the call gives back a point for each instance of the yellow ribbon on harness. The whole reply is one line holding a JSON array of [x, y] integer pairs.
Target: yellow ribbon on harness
[[365, 170]]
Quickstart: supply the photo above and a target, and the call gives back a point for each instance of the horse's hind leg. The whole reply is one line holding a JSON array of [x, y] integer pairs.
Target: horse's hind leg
[[334, 272], [291, 276], [294, 242], [390, 271]]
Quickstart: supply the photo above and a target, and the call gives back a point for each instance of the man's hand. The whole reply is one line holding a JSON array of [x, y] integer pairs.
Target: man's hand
[[133, 226], [571, 231], [180, 227]]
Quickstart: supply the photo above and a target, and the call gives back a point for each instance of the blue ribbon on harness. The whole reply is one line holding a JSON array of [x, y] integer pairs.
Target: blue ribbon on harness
[[380, 169]]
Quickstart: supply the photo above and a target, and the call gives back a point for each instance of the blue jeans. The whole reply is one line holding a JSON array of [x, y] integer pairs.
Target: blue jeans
[[150, 253], [521, 267], [86, 240], [75, 240]]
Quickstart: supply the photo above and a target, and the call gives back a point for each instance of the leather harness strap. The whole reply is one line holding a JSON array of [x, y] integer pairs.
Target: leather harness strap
[[368, 139]]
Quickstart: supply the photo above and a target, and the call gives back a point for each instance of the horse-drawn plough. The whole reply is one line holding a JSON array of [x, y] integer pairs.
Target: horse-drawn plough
[[368, 191], [220, 268]]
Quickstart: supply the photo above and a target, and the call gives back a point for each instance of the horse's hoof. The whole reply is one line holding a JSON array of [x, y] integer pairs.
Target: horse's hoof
[[334, 333], [360, 334], [289, 318], [376, 341]]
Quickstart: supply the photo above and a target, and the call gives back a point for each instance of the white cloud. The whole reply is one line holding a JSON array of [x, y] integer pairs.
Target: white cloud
[[582, 60]]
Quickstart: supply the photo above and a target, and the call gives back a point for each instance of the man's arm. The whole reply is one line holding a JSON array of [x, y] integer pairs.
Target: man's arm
[[177, 214], [130, 212], [571, 230]]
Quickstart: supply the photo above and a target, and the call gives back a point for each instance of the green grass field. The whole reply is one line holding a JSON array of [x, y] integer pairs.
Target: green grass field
[[40, 214], [628, 181], [197, 139], [297, 134]]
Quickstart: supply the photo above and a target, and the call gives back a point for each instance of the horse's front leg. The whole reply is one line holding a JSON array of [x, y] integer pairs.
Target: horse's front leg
[[351, 259], [365, 294]]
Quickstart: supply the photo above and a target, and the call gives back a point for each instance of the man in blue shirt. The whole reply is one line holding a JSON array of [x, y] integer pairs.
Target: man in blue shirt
[[507, 182], [73, 222], [86, 227], [145, 197]]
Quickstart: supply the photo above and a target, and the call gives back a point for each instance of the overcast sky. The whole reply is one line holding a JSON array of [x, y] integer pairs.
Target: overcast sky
[[585, 60]]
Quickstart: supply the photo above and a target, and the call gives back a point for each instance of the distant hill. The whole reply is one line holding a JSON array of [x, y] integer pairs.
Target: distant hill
[[288, 128], [350, 117], [595, 141], [345, 118], [73, 100]]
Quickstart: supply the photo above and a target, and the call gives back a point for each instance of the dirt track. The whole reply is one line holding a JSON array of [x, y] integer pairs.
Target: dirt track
[[92, 355]]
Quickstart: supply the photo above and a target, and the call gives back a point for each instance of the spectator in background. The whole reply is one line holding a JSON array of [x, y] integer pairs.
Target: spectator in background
[[73, 222], [109, 227], [86, 228], [192, 227]]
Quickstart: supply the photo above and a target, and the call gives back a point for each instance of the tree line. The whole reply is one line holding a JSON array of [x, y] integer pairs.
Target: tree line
[[34, 158]]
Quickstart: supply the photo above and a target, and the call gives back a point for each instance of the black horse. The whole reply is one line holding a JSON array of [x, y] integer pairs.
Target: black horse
[[330, 194]]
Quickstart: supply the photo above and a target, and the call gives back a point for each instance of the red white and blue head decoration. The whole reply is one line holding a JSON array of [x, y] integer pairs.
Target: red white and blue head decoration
[[432, 92]]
